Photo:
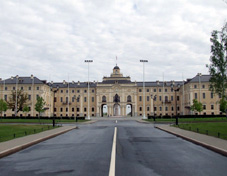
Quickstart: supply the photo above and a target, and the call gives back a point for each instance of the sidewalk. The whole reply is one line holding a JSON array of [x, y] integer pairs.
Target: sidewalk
[[210, 142], [15, 145]]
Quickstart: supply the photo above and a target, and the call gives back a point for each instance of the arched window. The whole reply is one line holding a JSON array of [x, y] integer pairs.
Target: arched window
[[129, 99], [116, 98], [104, 98]]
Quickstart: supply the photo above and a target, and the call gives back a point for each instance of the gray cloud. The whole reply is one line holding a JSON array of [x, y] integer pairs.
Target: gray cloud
[[53, 37]]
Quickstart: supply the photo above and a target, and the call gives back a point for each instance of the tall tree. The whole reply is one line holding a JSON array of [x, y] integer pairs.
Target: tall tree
[[22, 99], [218, 66], [39, 106], [3, 106], [26, 109]]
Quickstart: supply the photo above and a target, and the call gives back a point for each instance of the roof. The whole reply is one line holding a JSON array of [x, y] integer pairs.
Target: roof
[[72, 85], [118, 81], [203, 78], [23, 80], [160, 84]]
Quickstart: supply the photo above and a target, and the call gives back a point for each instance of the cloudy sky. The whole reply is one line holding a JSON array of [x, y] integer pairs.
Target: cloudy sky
[[52, 38]]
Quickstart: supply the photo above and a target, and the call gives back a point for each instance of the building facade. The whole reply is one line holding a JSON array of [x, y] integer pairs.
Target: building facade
[[116, 95]]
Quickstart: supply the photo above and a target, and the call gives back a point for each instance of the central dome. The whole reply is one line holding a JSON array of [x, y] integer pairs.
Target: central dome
[[116, 67]]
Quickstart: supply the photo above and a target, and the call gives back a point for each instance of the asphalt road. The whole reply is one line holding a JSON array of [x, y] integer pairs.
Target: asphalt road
[[141, 150]]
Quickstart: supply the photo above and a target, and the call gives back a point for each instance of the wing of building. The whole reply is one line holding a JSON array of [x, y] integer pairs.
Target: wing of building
[[116, 95]]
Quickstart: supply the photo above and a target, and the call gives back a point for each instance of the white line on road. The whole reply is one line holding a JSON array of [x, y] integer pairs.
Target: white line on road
[[113, 155], [116, 121]]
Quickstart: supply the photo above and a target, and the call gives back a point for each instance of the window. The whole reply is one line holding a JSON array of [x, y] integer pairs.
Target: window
[[211, 95], [155, 108], [204, 107], [148, 99], [92, 109], [104, 98], [195, 95], [67, 99], [78, 99], [172, 108], [85, 91], [148, 108], [178, 108], [171, 98], [203, 86], [37, 88], [78, 91], [22, 88], [212, 107], [61, 91], [166, 90], [92, 90], [93, 99], [129, 99], [178, 98], [73, 91], [160, 108], [166, 108], [29, 88], [6, 88], [140, 90], [61, 109], [219, 95], [14, 88], [85, 99], [66, 109], [61, 99], [5, 97], [166, 98], [140, 98], [160, 98], [72, 109], [77, 109], [72, 99], [55, 99], [140, 108], [204, 95], [195, 86], [148, 90], [29, 97], [85, 109], [55, 109], [154, 90], [160, 90], [67, 91], [37, 97]]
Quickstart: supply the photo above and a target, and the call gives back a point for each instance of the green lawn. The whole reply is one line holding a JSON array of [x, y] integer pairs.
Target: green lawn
[[8, 132], [190, 119], [37, 121], [217, 129]]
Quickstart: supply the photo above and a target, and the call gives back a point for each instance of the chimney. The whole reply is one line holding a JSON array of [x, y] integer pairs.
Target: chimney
[[78, 83], [64, 82]]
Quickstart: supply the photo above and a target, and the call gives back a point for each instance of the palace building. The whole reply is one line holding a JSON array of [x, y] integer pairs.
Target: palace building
[[116, 95]]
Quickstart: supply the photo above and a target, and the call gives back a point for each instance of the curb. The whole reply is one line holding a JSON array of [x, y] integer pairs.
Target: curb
[[210, 147], [23, 146], [142, 121]]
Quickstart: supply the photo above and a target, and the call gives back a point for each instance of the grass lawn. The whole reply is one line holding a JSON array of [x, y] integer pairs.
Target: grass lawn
[[190, 119], [217, 129], [8, 132], [37, 121]]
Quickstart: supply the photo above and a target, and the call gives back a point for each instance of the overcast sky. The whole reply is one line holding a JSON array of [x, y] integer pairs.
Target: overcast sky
[[52, 38]]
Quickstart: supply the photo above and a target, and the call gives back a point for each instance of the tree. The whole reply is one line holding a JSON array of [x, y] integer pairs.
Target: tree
[[26, 109], [22, 99], [217, 68], [197, 106], [3, 106], [39, 106]]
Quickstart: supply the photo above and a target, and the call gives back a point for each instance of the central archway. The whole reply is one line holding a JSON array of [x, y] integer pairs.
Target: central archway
[[117, 110], [104, 110]]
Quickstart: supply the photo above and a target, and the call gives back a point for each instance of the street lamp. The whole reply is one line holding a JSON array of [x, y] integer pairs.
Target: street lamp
[[88, 86], [143, 61], [16, 96], [76, 98], [54, 91], [32, 77], [175, 90]]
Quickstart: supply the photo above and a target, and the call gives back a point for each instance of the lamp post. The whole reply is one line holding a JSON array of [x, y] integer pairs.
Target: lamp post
[[76, 98], [54, 91], [143, 61], [88, 86], [32, 77], [175, 90], [16, 96]]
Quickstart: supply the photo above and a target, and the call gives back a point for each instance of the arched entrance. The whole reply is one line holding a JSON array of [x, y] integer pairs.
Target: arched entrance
[[104, 110], [117, 110], [129, 110]]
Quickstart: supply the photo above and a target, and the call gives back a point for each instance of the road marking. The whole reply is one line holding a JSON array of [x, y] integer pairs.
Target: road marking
[[116, 121], [113, 154]]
